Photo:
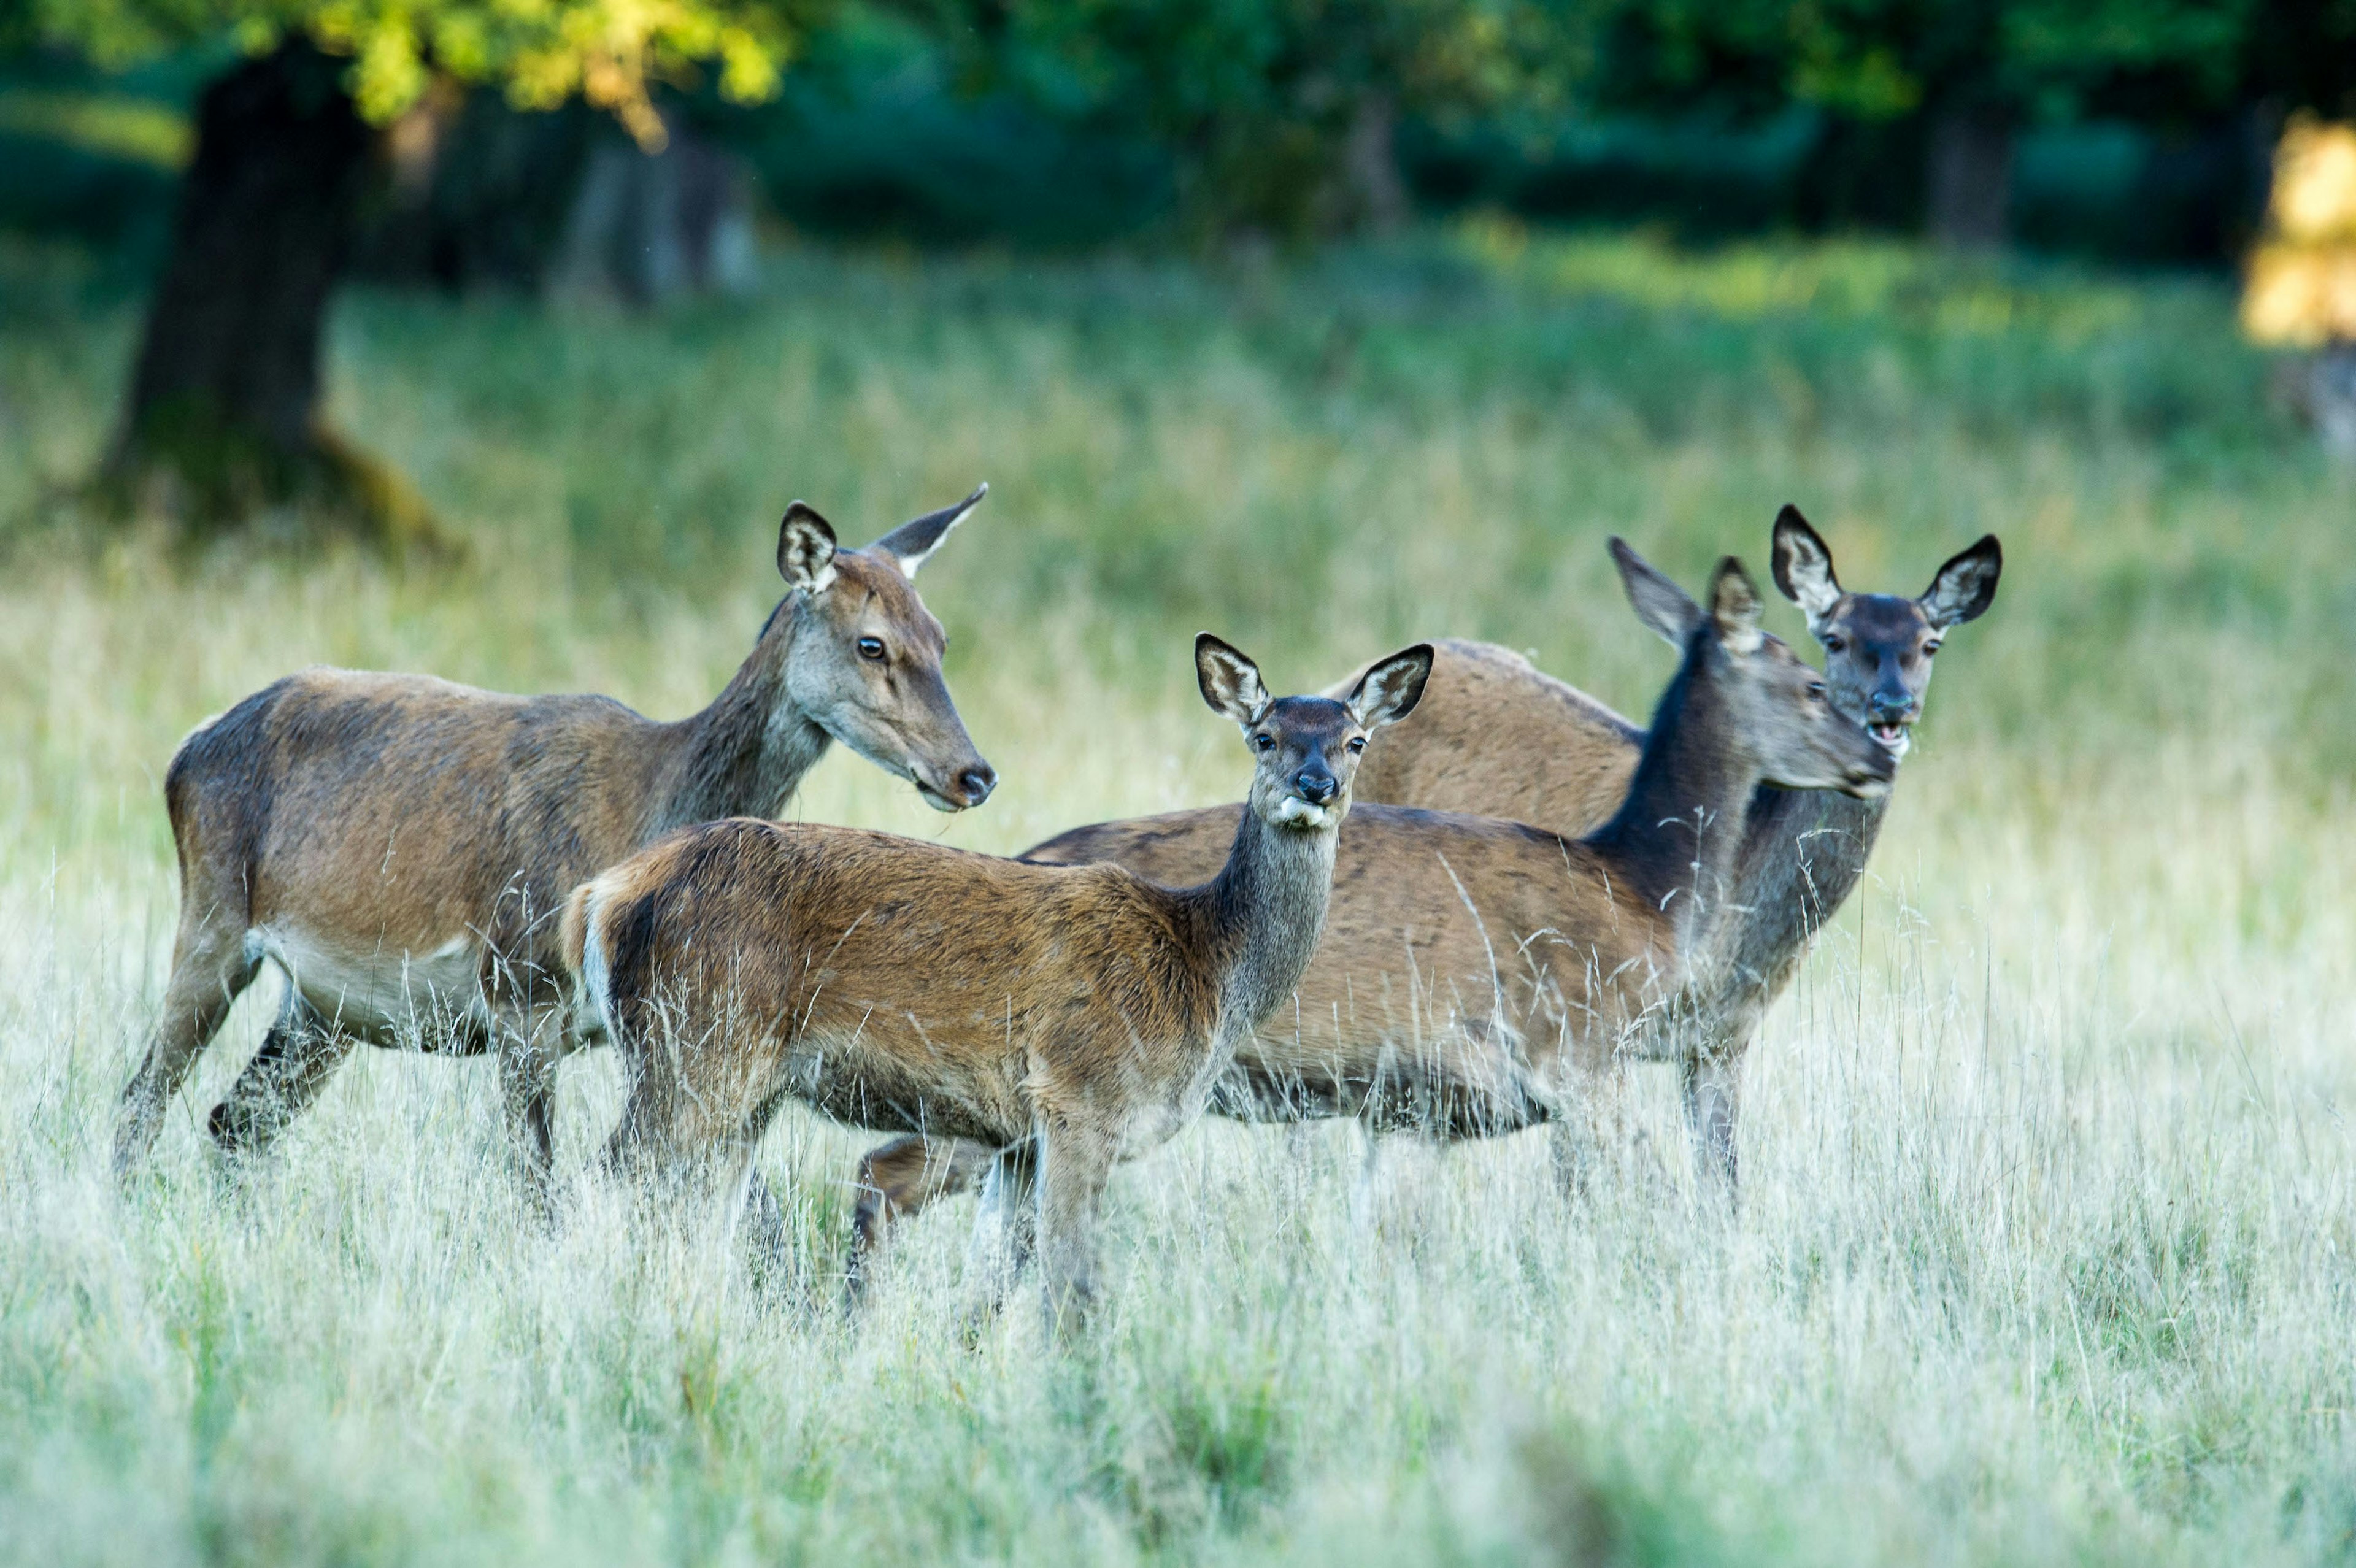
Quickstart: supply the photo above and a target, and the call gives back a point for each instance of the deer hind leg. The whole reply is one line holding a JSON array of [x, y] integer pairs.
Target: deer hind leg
[[297, 1057], [685, 1135], [897, 1180], [1076, 1162], [211, 967]]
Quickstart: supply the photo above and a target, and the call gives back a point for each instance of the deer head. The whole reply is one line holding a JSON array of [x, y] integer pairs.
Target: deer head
[[1771, 704], [864, 663], [1307, 748], [1878, 646]]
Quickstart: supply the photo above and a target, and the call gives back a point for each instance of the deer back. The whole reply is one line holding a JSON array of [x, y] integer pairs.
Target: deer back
[[1498, 737], [401, 810], [1464, 941], [891, 981]]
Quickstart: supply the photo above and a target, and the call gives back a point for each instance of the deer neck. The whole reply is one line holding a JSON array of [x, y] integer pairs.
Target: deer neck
[[1678, 837], [1267, 909], [745, 754], [1802, 853]]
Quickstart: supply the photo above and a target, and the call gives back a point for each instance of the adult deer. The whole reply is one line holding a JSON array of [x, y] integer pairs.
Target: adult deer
[[1508, 739], [400, 846], [1478, 976], [1070, 1017]]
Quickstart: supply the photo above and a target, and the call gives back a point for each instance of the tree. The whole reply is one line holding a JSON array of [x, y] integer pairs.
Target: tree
[[222, 419], [1968, 72], [1281, 112]]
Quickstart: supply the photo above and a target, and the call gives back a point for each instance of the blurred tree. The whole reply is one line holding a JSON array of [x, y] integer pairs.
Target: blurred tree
[[2302, 280], [1968, 72], [223, 420], [1282, 112]]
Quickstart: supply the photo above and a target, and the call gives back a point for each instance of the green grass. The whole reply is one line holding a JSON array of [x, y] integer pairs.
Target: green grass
[[2050, 1247]]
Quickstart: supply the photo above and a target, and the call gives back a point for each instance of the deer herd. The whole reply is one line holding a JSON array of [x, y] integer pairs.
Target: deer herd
[[1459, 899]]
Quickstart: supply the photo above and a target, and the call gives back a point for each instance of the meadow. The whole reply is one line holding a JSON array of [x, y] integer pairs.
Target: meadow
[[2048, 1248]]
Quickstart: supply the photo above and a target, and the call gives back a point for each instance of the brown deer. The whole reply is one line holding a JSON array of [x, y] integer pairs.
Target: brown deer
[[1479, 975], [1079, 1013], [400, 846], [1802, 853]]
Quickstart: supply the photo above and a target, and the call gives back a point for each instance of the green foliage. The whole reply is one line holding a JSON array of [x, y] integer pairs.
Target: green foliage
[[541, 53], [1261, 100], [1879, 59]]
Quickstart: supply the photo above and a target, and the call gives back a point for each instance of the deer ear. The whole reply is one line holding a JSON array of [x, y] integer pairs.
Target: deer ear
[[912, 542], [1804, 565], [806, 548], [1966, 586], [1659, 602], [1388, 691], [1735, 608], [1230, 682]]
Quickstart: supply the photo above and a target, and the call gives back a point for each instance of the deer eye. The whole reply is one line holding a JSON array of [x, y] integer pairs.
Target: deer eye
[[1930, 647], [870, 648], [1834, 644], [1357, 744], [1263, 742], [1816, 689]]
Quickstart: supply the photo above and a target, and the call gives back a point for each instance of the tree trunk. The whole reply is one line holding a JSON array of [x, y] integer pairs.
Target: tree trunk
[[1970, 184], [222, 422]]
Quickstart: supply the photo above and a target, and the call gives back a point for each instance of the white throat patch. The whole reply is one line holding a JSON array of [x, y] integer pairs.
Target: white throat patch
[[1294, 811]]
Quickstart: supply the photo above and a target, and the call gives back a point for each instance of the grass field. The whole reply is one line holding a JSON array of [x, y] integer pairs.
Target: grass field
[[2049, 1250]]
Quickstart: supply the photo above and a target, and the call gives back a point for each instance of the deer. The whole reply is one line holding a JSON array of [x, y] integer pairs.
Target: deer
[[1066, 1017], [1480, 976], [1802, 852], [399, 847]]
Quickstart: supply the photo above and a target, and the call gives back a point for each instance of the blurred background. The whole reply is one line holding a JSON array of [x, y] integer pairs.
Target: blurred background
[[246, 164]]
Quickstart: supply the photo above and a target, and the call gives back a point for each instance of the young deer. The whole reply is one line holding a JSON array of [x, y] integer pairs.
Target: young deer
[[1477, 975], [1082, 1010], [400, 847]]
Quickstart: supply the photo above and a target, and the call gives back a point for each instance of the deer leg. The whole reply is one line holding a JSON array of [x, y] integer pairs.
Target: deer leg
[[896, 1181], [528, 1052], [1713, 1101], [297, 1057], [1076, 1162], [211, 968], [1588, 1134], [1003, 1231], [750, 1204], [1365, 1188]]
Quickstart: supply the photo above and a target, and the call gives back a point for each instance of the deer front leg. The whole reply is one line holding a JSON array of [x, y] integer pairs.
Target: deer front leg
[[1590, 1129], [1713, 1101], [1076, 1160], [1003, 1231], [529, 1048]]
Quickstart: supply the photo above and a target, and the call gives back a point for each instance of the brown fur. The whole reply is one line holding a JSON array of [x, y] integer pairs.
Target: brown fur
[[901, 984], [399, 844], [1502, 738], [1476, 975]]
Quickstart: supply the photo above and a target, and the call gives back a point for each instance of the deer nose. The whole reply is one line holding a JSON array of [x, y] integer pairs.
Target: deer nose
[[1315, 785], [1888, 705], [977, 781]]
